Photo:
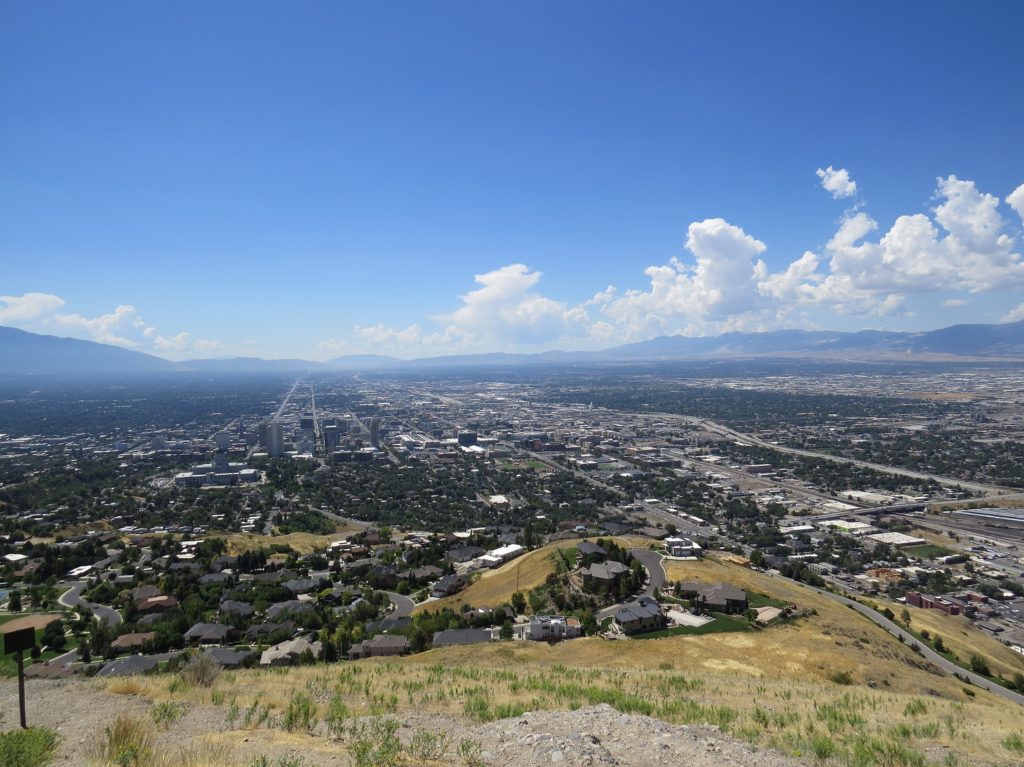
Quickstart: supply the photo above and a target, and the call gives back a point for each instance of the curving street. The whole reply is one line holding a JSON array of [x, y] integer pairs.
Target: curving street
[[403, 605], [651, 560], [72, 598]]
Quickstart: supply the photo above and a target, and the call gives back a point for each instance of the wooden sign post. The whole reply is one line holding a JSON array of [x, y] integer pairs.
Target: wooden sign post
[[19, 641]]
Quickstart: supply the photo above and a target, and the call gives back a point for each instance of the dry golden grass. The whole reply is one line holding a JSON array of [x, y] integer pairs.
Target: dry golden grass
[[961, 637], [304, 543], [736, 681], [778, 687], [939, 396], [495, 587]]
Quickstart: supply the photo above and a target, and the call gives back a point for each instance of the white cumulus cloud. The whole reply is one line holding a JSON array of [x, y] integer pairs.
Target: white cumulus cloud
[[42, 313], [719, 290], [963, 248], [1014, 315], [1016, 200], [837, 181]]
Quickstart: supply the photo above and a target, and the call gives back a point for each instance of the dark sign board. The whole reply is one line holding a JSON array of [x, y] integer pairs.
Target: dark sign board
[[22, 639]]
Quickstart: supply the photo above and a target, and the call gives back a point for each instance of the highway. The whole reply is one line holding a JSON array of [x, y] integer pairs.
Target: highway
[[725, 431], [284, 402], [73, 598]]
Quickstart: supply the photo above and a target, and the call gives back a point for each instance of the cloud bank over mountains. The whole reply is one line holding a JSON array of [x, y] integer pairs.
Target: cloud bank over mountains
[[963, 244], [44, 313]]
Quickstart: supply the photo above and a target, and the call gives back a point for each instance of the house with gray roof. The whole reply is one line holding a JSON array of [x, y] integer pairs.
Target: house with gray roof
[[639, 616]]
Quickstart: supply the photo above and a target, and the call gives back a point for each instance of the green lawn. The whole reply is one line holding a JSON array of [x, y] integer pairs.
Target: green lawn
[[760, 600], [928, 551], [720, 625], [9, 664]]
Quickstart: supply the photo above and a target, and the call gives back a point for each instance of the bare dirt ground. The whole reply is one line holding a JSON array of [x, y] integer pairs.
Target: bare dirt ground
[[36, 621]]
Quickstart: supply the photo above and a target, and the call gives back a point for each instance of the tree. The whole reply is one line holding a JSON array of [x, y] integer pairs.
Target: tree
[[519, 602], [905, 616], [979, 665], [14, 601], [53, 635], [939, 645]]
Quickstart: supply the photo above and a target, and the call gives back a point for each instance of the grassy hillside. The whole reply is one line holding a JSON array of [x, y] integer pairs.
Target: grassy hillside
[[495, 587], [304, 543], [962, 638], [911, 718]]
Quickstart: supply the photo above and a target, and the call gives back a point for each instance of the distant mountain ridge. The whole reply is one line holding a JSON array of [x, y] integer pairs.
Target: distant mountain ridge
[[24, 353]]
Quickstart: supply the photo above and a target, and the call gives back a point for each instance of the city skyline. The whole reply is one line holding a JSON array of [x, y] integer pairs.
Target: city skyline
[[412, 181]]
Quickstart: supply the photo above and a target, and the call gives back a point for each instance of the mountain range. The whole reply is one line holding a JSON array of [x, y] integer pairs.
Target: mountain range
[[24, 353]]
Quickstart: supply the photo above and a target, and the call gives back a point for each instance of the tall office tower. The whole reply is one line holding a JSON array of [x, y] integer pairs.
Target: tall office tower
[[222, 440], [375, 431], [262, 433], [466, 438], [332, 438], [220, 462], [275, 440], [306, 422]]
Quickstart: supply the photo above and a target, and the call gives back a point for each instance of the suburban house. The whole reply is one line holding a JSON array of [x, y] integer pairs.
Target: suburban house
[[603, 574], [448, 585], [718, 597], [232, 607], [639, 616], [548, 628], [132, 642], [207, 633], [460, 637], [682, 547], [380, 645], [288, 652], [590, 549]]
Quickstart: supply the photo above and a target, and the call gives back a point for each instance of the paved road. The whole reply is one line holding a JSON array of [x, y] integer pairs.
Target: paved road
[[73, 598], [403, 605], [651, 560], [928, 653], [733, 434]]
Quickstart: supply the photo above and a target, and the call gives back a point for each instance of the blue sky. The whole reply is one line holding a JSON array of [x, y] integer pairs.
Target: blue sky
[[314, 179]]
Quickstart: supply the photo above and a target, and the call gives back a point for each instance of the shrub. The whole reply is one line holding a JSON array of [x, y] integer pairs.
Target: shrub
[[979, 666], [337, 714], [841, 677], [300, 714], [375, 743], [201, 670], [469, 753], [426, 746], [27, 748], [127, 742], [167, 713], [1014, 742]]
